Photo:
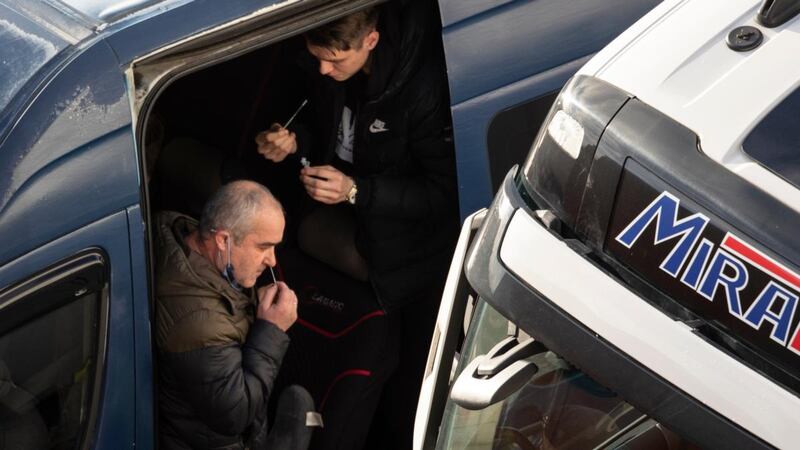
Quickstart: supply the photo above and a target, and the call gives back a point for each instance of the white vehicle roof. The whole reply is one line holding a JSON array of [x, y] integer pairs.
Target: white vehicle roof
[[676, 60]]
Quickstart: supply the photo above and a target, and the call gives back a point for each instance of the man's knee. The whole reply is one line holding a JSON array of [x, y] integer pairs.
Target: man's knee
[[295, 400], [295, 420]]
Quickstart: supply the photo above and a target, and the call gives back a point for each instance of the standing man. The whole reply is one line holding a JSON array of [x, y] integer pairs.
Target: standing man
[[219, 349], [387, 154]]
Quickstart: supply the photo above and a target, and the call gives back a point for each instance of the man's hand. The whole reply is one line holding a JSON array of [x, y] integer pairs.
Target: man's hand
[[276, 143], [326, 184], [277, 304]]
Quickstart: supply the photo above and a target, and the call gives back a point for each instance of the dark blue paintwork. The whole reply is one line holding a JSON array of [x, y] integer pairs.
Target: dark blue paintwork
[[502, 53], [116, 423], [132, 39], [145, 388], [69, 172], [26, 47], [70, 160], [453, 11]]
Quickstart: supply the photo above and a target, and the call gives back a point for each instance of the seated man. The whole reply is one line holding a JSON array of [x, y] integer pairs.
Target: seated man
[[219, 344]]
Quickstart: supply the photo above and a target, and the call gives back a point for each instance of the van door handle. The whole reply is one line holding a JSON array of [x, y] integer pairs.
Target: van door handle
[[492, 377]]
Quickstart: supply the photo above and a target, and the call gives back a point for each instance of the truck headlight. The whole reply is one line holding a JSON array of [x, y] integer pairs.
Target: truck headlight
[[556, 169], [566, 132]]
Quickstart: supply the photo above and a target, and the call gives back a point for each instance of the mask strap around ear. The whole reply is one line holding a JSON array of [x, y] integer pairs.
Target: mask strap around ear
[[228, 273]]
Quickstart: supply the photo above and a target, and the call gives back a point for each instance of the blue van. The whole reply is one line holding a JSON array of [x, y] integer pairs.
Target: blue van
[[93, 92]]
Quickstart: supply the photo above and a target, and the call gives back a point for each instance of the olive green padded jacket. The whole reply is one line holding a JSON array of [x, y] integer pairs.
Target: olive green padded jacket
[[216, 364]]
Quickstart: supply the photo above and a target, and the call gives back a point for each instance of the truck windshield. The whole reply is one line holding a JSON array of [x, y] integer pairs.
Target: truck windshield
[[559, 408]]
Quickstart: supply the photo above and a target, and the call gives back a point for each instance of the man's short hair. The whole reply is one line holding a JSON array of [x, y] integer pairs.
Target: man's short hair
[[233, 208], [345, 33]]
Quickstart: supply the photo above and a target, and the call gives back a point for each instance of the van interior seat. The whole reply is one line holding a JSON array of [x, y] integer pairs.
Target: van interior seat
[[188, 173], [342, 348]]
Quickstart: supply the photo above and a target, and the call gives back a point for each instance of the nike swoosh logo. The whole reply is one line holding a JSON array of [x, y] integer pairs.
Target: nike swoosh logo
[[376, 129]]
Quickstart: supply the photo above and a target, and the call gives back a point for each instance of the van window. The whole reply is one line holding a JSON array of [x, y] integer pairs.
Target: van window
[[49, 341], [775, 142]]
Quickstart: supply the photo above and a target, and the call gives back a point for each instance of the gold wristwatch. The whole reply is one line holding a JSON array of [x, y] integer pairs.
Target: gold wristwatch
[[351, 195]]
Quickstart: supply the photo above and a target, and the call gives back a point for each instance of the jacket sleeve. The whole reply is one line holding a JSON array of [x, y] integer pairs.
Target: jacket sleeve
[[428, 186], [228, 385]]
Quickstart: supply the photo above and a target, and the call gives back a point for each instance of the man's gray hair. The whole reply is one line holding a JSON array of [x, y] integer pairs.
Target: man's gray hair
[[233, 208]]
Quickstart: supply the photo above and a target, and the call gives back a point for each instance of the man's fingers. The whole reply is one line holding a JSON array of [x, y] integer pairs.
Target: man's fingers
[[326, 201], [283, 311], [275, 152], [281, 287], [323, 196], [276, 143], [284, 140], [316, 182], [318, 194], [323, 191], [284, 143], [312, 171], [286, 297], [327, 172], [261, 138], [267, 294]]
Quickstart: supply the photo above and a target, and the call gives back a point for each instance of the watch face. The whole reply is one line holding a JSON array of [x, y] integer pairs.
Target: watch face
[[351, 196]]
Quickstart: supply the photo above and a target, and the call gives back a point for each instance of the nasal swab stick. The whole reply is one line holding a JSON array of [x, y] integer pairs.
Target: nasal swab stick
[[289, 122]]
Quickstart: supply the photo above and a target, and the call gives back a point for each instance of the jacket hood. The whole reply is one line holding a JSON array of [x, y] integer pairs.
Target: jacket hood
[[406, 29], [184, 272]]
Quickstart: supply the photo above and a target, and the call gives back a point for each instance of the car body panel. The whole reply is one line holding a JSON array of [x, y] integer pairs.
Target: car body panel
[[116, 422], [619, 316], [769, 345], [140, 36], [701, 83], [69, 171], [105, 11], [142, 326], [50, 177], [26, 50], [446, 334], [471, 120]]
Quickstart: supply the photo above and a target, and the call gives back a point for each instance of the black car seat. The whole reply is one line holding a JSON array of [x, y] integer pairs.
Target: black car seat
[[188, 172], [341, 348]]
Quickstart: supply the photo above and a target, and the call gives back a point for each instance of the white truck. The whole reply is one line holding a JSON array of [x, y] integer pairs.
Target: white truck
[[635, 282]]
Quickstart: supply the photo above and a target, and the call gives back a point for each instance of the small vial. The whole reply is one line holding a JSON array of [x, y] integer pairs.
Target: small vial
[[305, 162]]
